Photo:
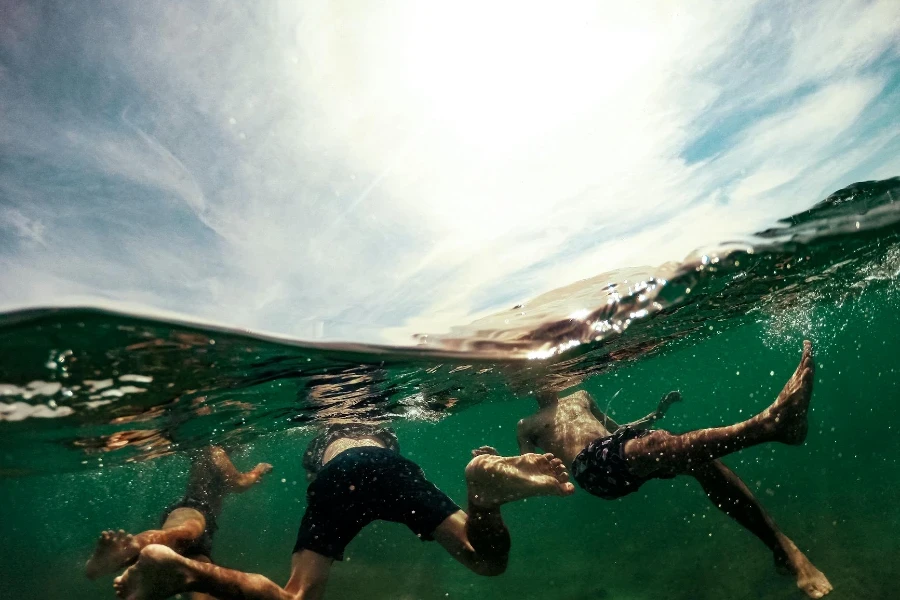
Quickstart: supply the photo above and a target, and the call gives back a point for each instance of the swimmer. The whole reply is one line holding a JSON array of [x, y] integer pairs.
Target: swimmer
[[611, 461], [189, 524], [358, 476]]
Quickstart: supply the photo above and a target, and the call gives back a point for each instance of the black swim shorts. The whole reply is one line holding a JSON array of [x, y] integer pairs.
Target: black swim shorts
[[601, 468], [203, 544], [365, 484]]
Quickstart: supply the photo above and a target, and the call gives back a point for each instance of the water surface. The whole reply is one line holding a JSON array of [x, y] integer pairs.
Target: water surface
[[99, 407]]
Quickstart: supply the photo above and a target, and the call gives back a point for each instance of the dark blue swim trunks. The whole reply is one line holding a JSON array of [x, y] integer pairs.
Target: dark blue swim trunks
[[601, 468], [365, 484]]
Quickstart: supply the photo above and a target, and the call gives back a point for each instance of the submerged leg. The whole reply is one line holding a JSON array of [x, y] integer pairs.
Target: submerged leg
[[209, 469], [480, 540], [784, 421], [730, 495], [237, 482], [161, 573], [116, 550], [198, 595]]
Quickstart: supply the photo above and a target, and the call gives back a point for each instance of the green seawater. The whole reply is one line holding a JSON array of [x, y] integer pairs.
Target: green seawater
[[835, 496]]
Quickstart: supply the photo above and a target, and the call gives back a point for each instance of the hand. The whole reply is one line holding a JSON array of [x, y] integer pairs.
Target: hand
[[667, 401]]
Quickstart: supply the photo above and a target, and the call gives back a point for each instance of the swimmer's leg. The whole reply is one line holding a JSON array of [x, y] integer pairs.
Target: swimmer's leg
[[730, 495], [198, 595], [210, 468], [215, 458], [784, 421], [116, 550], [480, 540], [161, 573]]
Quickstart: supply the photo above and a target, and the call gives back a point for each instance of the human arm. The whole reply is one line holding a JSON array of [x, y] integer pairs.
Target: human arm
[[601, 416], [665, 402]]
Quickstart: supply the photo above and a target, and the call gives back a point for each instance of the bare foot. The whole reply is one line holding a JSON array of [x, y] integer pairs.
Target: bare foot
[[495, 480], [115, 550], [260, 470], [159, 573], [788, 414], [247, 480], [809, 579]]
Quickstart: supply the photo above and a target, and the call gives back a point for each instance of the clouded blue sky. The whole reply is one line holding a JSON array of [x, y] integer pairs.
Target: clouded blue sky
[[365, 171]]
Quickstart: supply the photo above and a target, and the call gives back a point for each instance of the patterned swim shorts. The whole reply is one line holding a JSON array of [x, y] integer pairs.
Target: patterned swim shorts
[[601, 468]]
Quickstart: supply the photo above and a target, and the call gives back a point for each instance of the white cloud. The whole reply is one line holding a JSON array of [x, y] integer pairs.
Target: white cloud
[[368, 173], [781, 148], [28, 229], [832, 38]]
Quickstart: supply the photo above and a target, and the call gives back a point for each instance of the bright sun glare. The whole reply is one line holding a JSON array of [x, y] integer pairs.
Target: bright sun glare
[[482, 115], [493, 75]]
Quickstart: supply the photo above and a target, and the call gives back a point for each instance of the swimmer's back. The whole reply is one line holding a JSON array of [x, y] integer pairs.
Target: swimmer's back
[[564, 427]]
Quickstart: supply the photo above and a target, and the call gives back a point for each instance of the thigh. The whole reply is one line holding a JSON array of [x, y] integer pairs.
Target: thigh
[[641, 449], [408, 497], [330, 523], [204, 559]]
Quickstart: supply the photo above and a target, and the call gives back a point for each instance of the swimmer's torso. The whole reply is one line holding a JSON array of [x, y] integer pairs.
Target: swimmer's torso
[[565, 427]]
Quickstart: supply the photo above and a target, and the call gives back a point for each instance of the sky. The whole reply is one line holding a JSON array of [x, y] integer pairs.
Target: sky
[[368, 171]]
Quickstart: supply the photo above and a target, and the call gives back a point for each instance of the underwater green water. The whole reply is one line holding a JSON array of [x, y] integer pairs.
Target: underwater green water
[[835, 496]]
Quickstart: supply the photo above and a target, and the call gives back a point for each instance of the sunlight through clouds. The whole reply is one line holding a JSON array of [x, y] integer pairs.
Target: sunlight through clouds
[[365, 172]]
